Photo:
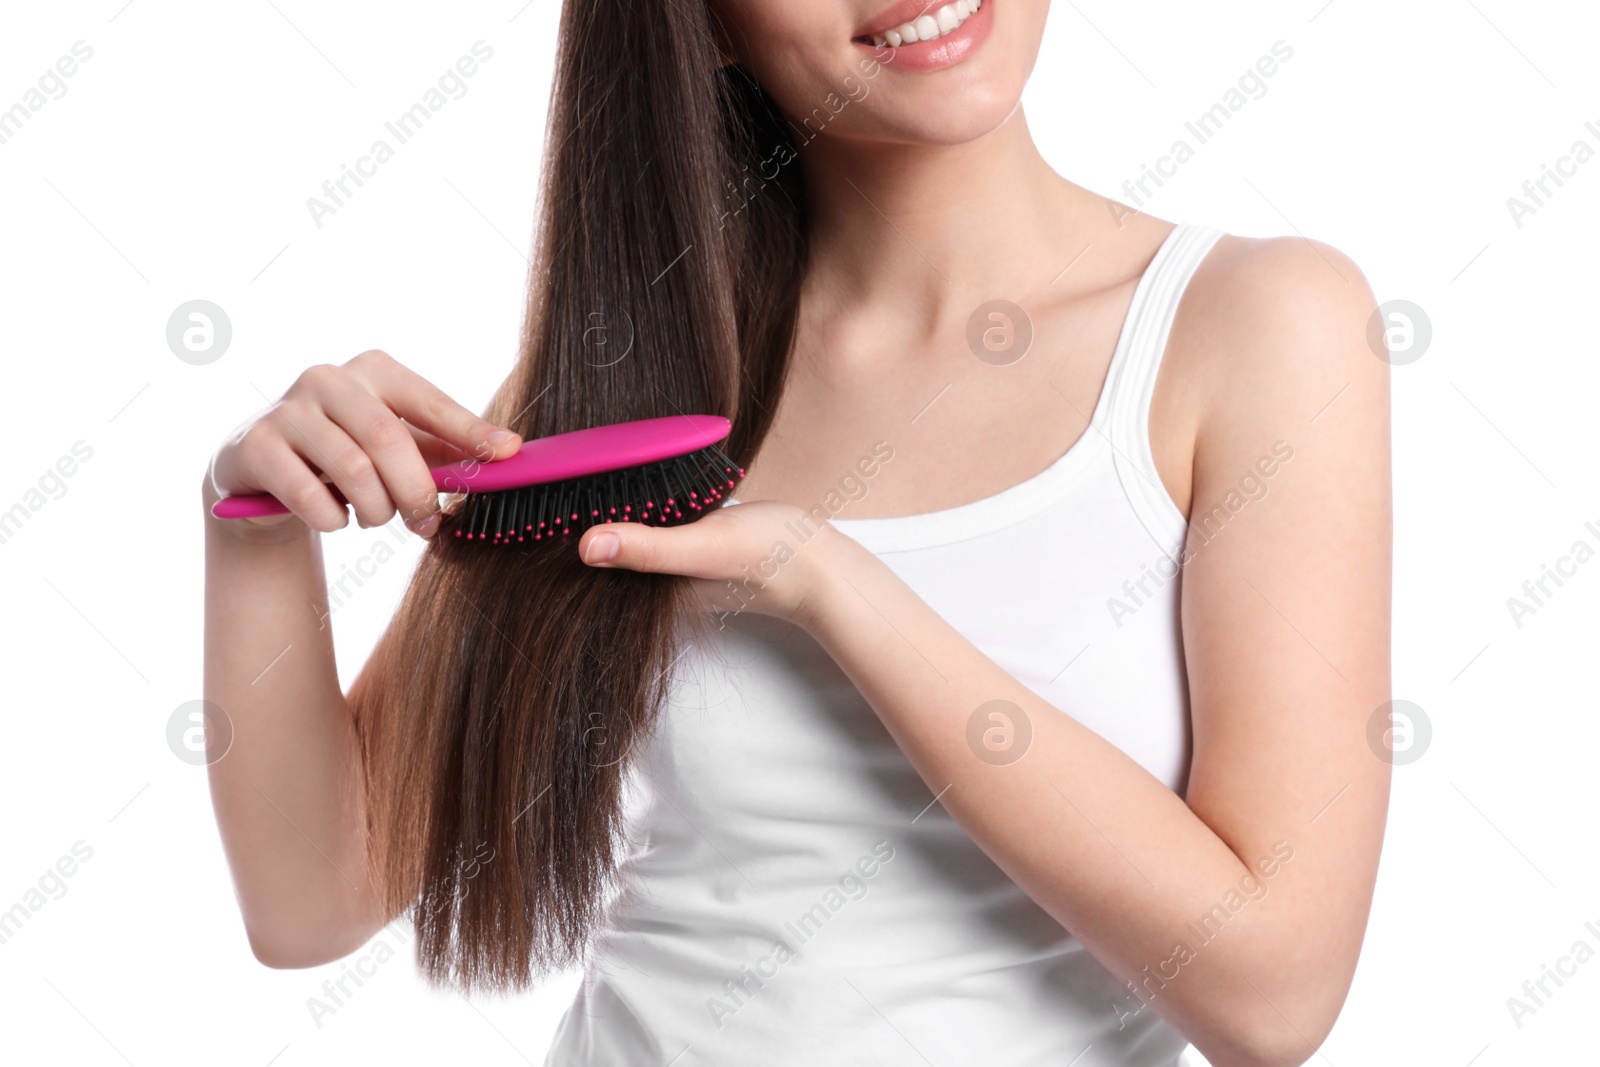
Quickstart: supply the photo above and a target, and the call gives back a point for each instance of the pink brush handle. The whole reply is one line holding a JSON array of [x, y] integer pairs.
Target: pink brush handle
[[545, 459], [255, 505]]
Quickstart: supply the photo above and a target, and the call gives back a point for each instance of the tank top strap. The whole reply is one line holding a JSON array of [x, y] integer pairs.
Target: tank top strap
[[1133, 381]]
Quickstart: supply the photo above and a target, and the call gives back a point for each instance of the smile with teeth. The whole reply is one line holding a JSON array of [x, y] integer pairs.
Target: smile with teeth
[[930, 26]]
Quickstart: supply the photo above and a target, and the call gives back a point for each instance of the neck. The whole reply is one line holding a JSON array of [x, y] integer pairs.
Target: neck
[[926, 233]]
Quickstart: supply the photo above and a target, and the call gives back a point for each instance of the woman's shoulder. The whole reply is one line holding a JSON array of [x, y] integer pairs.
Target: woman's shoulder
[[1270, 335], [1275, 323], [1251, 292]]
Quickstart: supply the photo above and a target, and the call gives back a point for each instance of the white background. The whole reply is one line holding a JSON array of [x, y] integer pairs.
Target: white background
[[177, 166]]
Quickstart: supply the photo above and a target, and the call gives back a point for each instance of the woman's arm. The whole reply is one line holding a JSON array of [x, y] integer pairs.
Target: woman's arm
[[288, 793], [1286, 632]]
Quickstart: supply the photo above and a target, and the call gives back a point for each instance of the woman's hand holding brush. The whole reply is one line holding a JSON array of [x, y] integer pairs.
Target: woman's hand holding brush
[[372, 428]]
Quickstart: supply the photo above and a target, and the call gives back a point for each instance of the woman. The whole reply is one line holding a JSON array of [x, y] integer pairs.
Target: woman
[[924, 751]]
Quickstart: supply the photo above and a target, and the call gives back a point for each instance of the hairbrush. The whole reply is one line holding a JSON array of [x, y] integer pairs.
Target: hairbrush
[[655, 471]]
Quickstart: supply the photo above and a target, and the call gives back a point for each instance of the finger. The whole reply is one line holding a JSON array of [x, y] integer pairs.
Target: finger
[[390, 447], [694, 550], [326, 446], [435, 452], [285, 475], [424, 404]]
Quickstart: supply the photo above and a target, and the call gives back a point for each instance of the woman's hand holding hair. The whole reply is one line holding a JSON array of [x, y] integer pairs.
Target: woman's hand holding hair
[[760, 556]]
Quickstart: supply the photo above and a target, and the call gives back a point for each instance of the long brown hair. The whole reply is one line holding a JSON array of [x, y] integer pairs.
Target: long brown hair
[[519, 682]]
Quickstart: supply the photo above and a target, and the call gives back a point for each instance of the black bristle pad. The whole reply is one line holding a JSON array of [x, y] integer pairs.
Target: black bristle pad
[[694, 484]]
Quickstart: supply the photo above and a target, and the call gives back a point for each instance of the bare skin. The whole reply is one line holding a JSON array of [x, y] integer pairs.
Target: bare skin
[[921, 210]]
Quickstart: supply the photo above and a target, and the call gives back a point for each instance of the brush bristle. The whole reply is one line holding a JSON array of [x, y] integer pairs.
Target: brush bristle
[[666, 493]]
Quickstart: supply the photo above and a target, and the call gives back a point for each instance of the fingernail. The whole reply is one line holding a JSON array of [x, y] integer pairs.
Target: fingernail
[[603, 547], [500, 437], [430, 524]]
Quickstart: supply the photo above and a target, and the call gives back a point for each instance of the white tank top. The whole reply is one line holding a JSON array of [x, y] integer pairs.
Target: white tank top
[[794, 896]]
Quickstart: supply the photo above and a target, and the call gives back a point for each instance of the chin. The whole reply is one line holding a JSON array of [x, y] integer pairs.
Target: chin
[[924, 117]]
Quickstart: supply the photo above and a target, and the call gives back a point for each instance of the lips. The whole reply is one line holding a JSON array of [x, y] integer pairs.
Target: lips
[[926, 35]]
